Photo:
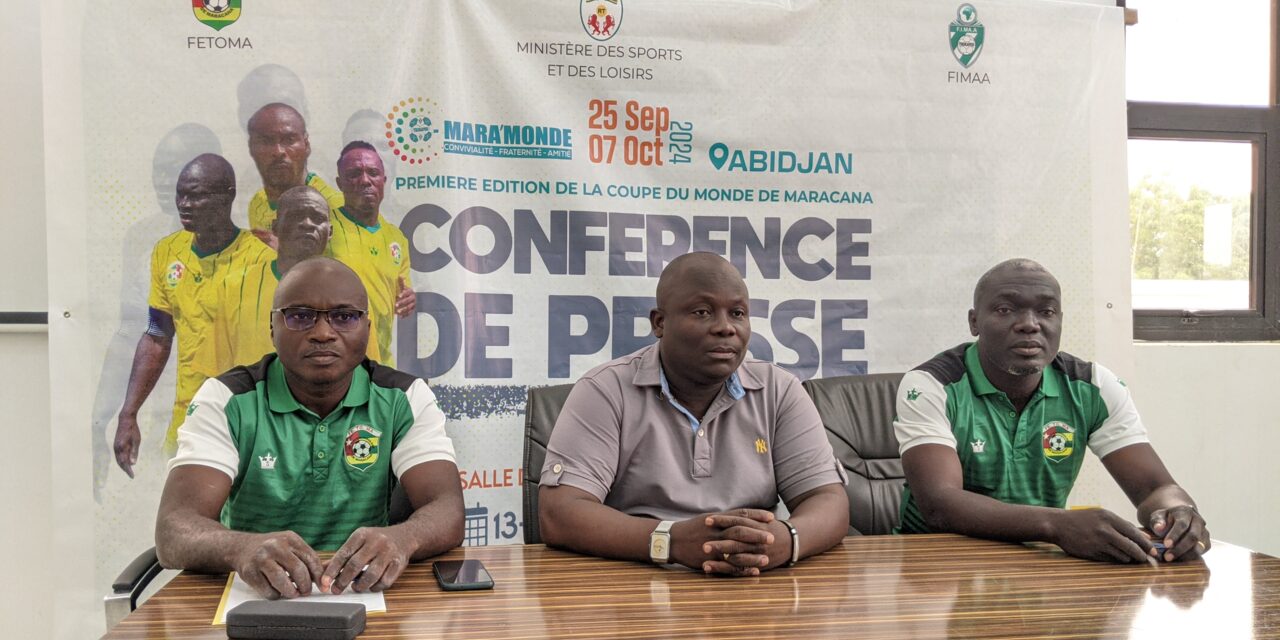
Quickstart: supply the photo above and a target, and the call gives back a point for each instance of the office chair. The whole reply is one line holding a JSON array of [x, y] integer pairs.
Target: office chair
[[540, 413], [858, 413]]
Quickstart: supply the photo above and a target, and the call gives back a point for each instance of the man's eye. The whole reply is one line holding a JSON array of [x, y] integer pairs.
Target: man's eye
[[1049, 313], [701, 313], [739, 313], [344, 316]]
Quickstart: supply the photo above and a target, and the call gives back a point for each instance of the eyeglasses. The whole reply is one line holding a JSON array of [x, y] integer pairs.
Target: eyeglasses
[[304, 318]]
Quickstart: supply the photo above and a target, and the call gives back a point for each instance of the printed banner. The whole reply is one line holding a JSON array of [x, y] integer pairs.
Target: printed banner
[[860, 163]]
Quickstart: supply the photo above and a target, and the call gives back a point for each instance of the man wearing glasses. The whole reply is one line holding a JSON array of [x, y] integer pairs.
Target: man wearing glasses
[[299, 453]]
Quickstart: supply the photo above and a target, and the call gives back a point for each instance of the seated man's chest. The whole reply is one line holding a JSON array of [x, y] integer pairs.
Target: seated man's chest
[[308, 460], [1029, 457], [668, 465]]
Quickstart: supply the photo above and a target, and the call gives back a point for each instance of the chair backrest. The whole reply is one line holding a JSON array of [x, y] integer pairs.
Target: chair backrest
[[858, 412], [540, 413]]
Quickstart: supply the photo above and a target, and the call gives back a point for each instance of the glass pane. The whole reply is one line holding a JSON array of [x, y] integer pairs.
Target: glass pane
[[1197, 51], [1189, 224]]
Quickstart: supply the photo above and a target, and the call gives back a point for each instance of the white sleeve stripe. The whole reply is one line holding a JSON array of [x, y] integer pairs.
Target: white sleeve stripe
[[205, 437], [922, 419], [1122, 426], [950, 443], [426, 440]]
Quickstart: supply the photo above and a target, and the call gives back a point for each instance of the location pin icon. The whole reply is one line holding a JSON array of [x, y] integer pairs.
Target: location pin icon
[[719, 153]]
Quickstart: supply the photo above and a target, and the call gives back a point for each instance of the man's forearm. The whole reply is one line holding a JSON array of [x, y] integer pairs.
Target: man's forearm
[[148, 363], [191, 541], [434, 527], [592, 528], [973, 514], [821, 520]]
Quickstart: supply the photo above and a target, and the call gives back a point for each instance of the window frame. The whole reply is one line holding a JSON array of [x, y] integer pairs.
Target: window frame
[[1259, 125]]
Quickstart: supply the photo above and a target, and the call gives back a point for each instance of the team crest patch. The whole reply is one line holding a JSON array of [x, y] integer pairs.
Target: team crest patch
[[1058, 442], [216, 13], [395, 253], [173, 275], [361, 446]]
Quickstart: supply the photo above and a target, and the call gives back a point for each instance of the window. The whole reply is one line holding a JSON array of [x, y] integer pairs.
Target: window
[[1204, 169]]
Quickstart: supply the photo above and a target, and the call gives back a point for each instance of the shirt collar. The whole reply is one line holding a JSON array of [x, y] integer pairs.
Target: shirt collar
[[280, 399], [982, 386]]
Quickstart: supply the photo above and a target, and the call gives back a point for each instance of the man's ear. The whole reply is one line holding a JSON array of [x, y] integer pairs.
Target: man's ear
[[656, 319], [973, 322]]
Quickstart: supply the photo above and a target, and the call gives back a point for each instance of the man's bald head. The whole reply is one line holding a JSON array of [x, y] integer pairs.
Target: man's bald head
[[302, 197], [318, 273], [276, 111], [1013, 266], [214, 171], [700, 270], [204, 193]]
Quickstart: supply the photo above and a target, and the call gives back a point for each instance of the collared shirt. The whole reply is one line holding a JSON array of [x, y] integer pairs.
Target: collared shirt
[[262, 211], [380, 257], [319, 476], [621, 439], [185, 285], [733, 386], [1030, 457]]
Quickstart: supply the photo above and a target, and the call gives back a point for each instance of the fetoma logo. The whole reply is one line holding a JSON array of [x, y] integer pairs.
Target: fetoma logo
[[412, 131]]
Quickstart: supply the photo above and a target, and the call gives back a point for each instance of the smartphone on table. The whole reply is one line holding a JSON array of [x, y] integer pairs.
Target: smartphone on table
[[461, 575]]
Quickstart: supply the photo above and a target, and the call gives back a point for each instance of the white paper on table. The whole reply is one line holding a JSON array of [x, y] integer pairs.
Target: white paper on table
[[238, 592]]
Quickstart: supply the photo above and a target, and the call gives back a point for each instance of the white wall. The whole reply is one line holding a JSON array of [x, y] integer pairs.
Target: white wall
[[26, 501], [1213, 411]]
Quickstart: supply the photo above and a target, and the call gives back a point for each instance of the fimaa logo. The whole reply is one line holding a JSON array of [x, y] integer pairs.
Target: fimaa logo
[[218, 14]]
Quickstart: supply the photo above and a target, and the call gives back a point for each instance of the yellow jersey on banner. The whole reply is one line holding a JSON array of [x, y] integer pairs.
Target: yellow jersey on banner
[[380, 256], [262, 213]]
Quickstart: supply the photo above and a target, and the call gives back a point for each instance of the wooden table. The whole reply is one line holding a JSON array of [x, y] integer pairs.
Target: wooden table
[[872, 587]]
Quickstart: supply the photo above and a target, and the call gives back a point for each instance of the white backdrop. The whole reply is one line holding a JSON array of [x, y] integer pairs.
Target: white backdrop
[[938, 170]]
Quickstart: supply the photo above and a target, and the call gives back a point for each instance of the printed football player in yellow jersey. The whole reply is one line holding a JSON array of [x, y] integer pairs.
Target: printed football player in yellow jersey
[[280, 147], [186, 270], [302, 229], [373, 247]]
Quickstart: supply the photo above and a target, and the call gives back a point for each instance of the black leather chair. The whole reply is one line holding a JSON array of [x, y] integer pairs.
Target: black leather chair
[[129, 585], [540, 413], [858, 412]]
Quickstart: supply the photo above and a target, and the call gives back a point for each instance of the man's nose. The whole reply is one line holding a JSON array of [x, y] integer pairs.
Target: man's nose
[[323, 331], [723, 325], [1027, 321]]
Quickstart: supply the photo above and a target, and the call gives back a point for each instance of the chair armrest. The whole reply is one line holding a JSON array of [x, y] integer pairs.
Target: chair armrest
[[129, 585]]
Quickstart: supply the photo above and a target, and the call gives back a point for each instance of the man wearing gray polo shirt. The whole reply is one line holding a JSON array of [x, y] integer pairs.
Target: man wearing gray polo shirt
[[678, 452]]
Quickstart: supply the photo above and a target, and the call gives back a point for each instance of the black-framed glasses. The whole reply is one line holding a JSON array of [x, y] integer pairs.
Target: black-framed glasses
[[304, 318]]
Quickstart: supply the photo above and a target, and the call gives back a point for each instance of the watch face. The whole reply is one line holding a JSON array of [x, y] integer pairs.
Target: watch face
[[658, 548]]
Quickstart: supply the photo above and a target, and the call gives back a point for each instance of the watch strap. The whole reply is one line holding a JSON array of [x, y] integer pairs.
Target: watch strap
[[661, 533], [795, 543]]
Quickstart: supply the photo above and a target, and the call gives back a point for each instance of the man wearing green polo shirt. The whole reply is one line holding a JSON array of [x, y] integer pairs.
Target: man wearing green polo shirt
[[300, 452], [992, 436]]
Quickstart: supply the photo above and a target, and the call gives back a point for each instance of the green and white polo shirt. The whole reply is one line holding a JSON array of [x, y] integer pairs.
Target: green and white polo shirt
[[1031, 458], [320, 477]]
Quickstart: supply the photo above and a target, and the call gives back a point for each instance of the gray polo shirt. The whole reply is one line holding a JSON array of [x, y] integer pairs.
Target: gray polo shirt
[[624, 441]]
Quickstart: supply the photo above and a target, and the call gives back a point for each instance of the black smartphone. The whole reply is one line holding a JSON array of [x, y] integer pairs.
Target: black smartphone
[[461, 575]]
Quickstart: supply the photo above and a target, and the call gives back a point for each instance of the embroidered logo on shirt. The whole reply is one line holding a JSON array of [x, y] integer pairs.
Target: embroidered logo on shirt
[[978, 445], [173, 275], [913, 394], [191, 408], [361, 446], [761, 447], [268, 462], [1058, 440], [396, 255]]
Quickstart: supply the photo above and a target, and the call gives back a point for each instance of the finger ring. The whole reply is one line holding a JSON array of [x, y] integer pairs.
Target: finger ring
[[726, 557], [1202, 546]]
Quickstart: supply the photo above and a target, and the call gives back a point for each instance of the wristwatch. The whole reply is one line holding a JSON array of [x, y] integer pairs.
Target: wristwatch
[[660, 543], [795, 544]]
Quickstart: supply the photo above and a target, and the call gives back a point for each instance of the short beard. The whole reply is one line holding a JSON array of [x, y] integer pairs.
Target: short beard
[[1015, 370]]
